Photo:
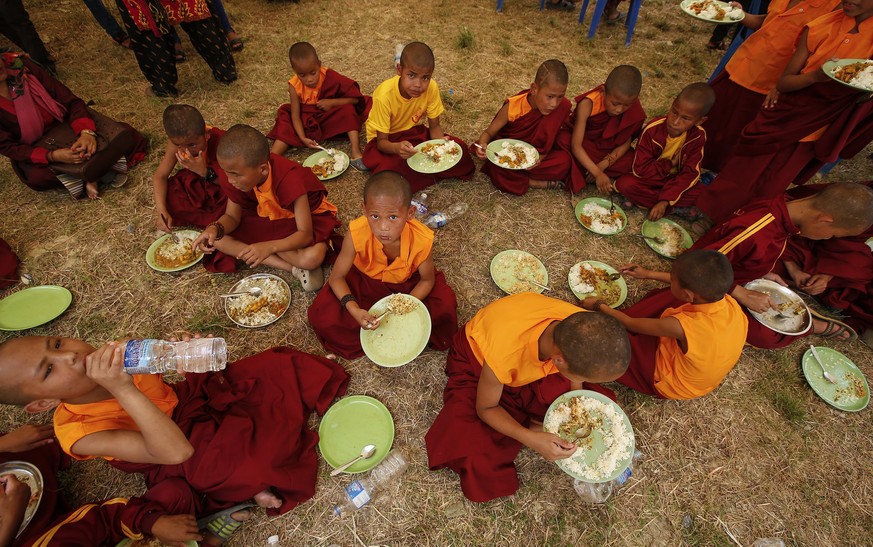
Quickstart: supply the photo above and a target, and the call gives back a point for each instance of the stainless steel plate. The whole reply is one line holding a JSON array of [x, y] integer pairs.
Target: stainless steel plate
[[795, 318]]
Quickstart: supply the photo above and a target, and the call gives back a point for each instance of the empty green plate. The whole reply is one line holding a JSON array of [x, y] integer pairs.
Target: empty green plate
[[399, 338], [350, 425], [33, 307], [851, 392]]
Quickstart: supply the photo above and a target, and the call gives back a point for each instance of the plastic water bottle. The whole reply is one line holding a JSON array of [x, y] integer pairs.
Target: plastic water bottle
[[440, 219], [599, 492], [398, 51], [158, 356], [358, 493], [769, 542], [419, 201]]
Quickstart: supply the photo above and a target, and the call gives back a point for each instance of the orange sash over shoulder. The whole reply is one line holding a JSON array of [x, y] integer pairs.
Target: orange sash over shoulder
[[73, 422], [596, 96], [269, 207], [416, 242], [518, 106], [308, 95]]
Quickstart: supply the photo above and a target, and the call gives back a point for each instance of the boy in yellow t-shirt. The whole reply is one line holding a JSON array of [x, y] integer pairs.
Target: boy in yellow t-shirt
[[688, 351], [396, 121]]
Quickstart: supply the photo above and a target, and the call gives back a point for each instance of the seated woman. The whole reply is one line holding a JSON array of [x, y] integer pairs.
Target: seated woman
[[32, 103]]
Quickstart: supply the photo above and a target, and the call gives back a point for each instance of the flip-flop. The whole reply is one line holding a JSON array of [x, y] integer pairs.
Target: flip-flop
[[221, 524], [562, 5], [835, 327], [358, 164], [617, 19], [237, 45]]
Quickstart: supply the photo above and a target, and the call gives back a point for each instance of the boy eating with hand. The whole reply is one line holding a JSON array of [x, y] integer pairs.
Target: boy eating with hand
[[277, 212], [386, 251], [323, 104], [396, 121]]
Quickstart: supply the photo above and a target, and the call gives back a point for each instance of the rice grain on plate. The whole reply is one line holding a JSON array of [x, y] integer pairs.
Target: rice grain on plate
[[437, 152], [599, 219], [589, 280], [524, 268], [673, 240], [709, 9], [254, 311], [516, 156], [170, 254], [399, 304], [859, 74]]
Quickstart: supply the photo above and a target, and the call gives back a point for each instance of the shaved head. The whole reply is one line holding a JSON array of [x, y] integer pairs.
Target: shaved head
[[182, 120], [418, 55], [706, 273], [301, 52], [699, 94], [552, 71], [388, 184], [594, 345], [624, 80], [849, 203], [245, 142]]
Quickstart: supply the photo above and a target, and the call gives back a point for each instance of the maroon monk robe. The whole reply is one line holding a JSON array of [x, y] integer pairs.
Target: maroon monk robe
[[90, 524], [8, 265], [769, 155], [603, 134], [248, 427], [290, 181], [542, 133], [191, 199], [338, 331], [460, 440], [325, 124], [735, 106], [753, 241], [27, 162], [377, 161]]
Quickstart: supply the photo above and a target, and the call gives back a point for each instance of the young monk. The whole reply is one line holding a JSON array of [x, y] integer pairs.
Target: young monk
[[666, 164], [395, 124], [323, 104], [104, 523], [227, 436], [193, 196], [505, 367], [277, 212], [385, 251], [687, 351], [606, 120], [755, 238], [815, 121], [748, 82], [535, 116]]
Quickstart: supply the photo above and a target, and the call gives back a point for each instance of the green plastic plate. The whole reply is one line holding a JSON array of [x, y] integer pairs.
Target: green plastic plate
[[505, 272], [830, 66], [658, 229], [350, 425], [150, 253], [496, 146], [597, 446], [33, 307], [600, 265], [851, 392], [320, 155], [603, 202], [685, 6], [399, 338], [425, 164]]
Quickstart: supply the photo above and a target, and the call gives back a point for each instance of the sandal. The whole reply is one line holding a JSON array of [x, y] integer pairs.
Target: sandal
[[179, 54], [688, 214], [716, 46], [358, 163], [555, 184], [615, 20], [123, 40], [835, 328], [563, 5], [221, 524], [236, 45], [310, 280]]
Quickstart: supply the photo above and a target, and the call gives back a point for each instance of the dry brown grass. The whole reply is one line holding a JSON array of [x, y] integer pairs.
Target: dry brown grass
[[761, 456]]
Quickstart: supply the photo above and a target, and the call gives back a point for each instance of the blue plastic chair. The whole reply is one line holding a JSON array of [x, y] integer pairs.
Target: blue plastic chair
[[738, 40], [630, 21], [500, 5]]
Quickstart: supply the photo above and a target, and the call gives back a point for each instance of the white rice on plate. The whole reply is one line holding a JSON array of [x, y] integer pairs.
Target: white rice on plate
[[255, 311], [516, 156], [170, 254], [599, 219], [858, 74]]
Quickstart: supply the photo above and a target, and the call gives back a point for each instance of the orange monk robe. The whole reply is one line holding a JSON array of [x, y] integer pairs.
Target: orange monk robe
[[603, 134], [715, 333], [505, 335], [321, 124], [268, 210], [752, 72], [372, 278], [191, 199], [805, 129], [247, 424], [529, 125]]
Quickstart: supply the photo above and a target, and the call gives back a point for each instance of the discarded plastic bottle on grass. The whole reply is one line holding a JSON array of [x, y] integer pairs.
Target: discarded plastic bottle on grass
[[398, 51], [440, 219], [768, 542], [358, 493], [158, 356], [419, 201], [599, 492]]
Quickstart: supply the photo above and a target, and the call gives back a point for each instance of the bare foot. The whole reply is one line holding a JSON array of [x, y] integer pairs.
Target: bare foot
[[211, 539], [267, 500], [91, 190]]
